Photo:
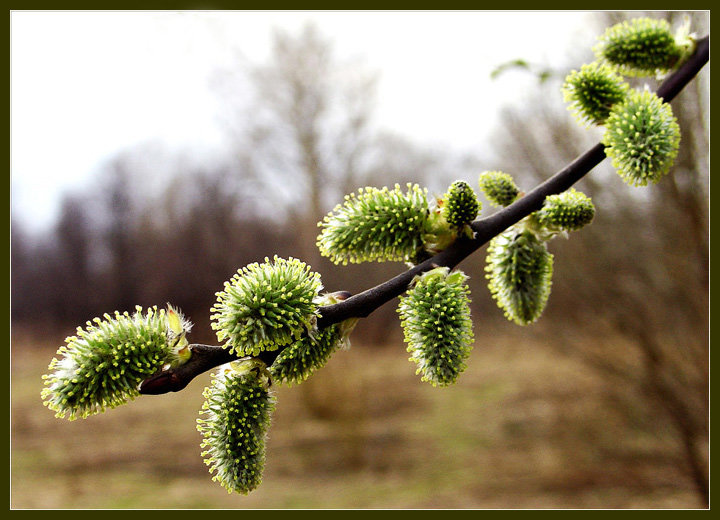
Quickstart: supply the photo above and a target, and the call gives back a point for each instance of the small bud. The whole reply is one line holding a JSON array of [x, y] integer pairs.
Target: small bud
[[567, 211], [435, 317], [593, 91], [104, 364], [519, 270], [381, 225], [460, 205], [499, 188], [266, 306], [237, 409], [642, 47], [641, 138]]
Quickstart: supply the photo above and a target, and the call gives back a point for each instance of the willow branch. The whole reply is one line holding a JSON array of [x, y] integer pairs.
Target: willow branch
[[206, 357]]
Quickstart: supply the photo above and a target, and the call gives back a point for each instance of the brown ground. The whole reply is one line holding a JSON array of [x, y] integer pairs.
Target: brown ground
[[523, 428]]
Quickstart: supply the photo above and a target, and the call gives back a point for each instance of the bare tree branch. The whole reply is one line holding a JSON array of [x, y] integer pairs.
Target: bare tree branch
[[206, 357]]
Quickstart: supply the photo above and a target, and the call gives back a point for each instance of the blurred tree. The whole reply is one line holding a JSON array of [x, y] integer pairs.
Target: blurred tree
[[73, 236], [118, 221], [305, 134], [23, 273]]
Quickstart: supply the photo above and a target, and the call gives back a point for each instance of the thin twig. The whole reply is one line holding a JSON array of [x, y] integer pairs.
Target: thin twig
[[206, 357]]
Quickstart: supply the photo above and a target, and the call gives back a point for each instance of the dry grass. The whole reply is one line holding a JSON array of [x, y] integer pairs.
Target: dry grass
[[522, 429]]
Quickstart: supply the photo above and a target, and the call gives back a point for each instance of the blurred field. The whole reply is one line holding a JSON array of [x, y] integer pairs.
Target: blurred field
[[523, 428]]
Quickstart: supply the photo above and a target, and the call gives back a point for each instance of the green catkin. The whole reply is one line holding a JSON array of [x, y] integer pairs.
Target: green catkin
[[519, 272], [642, 138], [567, 211], [381, 225], [237, 412], [303, 357], [435, 317], [499, 188], [299, 360], [642, 47], [266, 306], [460, 205], [592, 91], [103, 365]]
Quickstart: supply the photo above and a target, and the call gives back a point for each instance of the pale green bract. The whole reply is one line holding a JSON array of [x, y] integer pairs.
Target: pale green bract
[[103, 365], [435, 317]]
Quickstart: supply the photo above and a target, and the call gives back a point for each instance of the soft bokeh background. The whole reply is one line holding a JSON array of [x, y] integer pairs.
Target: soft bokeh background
[[601, 404]]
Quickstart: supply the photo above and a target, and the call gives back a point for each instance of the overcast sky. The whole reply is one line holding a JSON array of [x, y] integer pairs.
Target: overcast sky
[[86, 85]]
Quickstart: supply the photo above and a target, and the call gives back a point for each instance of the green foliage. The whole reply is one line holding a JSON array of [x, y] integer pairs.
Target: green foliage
[[642, 47], [499, 188], [237, 410], [103, 365], [642, 138], [266, 306], [592, 91], [567, 211], [460, 205], [435, 317], [519, 270], [374, 224]]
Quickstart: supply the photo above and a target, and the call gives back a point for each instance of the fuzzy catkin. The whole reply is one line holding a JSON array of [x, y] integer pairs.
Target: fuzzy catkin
[[640, 47], [567, 211], [460, 204], [237, 412], [266, 306], [498, 187], [642, 138], [435, 317], [381, 225], [103, 365], [519, 272], [303, 357], [593, 91]]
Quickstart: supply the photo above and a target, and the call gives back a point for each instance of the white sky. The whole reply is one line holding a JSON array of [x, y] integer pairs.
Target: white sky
[[86, 85]]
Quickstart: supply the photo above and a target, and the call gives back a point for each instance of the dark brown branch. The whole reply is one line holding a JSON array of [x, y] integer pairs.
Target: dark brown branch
[[205, 357]]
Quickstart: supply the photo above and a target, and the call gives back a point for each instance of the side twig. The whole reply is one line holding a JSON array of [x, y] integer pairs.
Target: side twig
[[206, 357]]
